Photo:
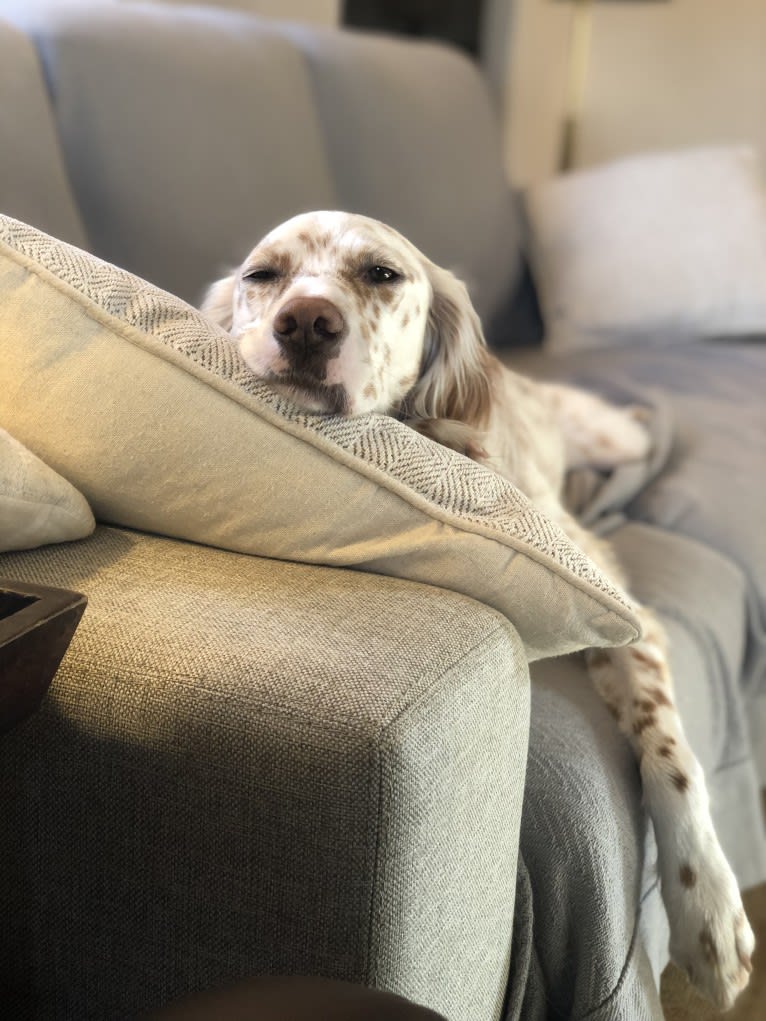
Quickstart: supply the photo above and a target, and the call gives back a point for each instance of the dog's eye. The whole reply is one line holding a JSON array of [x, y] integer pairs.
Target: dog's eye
[[382, 275], [261, 276]]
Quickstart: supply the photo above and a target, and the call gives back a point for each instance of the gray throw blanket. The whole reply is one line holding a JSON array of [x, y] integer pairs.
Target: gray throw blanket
[[599, 499], [578, 945], [590, 935]]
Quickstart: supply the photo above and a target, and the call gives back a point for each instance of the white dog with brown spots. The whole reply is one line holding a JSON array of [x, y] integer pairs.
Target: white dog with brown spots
[[344, 315]]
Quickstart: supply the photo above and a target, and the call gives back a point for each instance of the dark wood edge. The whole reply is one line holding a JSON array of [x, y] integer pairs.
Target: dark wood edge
[[49, 602]]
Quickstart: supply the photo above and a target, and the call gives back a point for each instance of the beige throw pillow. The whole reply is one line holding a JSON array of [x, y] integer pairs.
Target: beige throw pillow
[[37, 506], [162, 428]]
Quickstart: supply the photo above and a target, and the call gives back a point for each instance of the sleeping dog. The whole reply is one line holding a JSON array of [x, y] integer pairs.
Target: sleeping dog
[[343, 315]]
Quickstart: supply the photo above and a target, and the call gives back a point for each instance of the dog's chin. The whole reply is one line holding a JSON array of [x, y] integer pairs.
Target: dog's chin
[[310, 393]]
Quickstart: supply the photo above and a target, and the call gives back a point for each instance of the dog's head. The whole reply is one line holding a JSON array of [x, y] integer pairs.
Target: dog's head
[[344, 315]]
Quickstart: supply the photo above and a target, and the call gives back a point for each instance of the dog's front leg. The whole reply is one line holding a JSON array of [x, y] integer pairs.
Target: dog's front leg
[[710, 937]]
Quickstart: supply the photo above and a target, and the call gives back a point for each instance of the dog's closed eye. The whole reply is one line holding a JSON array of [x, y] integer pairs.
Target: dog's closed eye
[[261, 276]]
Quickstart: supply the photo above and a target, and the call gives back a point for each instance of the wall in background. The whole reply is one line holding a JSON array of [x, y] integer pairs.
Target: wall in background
[[525, 51], [679, 73], [660, 74], [322, 12], [683, 72]]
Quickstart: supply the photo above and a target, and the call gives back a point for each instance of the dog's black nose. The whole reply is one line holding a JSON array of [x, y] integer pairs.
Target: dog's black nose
[[308, 322]]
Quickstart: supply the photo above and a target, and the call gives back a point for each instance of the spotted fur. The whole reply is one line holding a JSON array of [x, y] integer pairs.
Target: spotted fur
[[412, 346]]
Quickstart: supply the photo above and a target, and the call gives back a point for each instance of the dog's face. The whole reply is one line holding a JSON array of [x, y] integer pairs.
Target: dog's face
[[332, 309]]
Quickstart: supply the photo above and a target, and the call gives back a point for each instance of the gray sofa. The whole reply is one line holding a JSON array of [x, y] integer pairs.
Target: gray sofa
[[251, 766]]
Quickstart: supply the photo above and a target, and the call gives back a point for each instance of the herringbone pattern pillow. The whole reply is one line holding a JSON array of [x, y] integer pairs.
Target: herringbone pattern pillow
[[147, 408]]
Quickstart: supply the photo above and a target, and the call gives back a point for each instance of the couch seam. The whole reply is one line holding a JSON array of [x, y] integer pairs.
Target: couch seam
[[382, 751]]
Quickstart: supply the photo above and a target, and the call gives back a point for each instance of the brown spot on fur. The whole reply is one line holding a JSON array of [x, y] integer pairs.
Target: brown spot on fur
[[598, 657], [406, 381], [475, 451], [313, 241], [687, 876], [648, 705], [405, 320], [271, 258], [645, 660], [386, 294], [370, 390], [708, 945], [680, 781], [661, 697], [604, 441], [354, 272], [641, 724], [666, 750], [309, 241]]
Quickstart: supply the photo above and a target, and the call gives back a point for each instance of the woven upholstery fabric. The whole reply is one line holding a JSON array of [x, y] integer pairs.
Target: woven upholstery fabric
[[162, 427], [248, 766]]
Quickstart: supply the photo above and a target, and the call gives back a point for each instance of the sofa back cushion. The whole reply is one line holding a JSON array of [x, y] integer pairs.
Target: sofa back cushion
[[191, 131], [182, 138], [412, 140], [33, 179]]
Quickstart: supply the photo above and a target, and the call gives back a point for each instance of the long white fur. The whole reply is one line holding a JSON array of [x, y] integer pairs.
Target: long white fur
[[416, 350]]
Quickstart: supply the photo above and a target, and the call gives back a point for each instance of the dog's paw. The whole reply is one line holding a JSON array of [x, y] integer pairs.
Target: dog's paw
[[633, 434], [711, 939], [718, 961]]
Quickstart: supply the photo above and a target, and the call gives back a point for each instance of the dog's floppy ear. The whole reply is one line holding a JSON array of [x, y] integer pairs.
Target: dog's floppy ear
[[218, 303], [453, 381]]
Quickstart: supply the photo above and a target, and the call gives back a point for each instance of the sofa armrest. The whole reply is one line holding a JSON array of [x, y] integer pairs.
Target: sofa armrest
[[247, 766]]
